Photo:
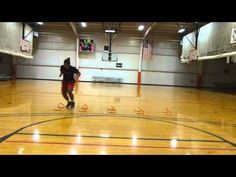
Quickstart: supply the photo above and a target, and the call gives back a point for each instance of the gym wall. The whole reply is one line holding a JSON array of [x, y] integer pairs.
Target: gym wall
[[51, 48]]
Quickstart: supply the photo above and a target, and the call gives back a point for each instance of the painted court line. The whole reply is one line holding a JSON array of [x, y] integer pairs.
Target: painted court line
[[114, 137], [125, 146]]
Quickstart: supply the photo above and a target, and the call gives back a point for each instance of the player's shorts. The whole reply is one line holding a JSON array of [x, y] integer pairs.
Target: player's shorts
[[67, 85]]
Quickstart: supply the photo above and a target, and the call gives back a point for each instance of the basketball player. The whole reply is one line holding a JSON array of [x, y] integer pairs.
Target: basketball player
[[69, 73]]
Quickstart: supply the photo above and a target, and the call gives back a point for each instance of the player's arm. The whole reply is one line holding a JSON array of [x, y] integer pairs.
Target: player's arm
[[61, 72], [77, 73]]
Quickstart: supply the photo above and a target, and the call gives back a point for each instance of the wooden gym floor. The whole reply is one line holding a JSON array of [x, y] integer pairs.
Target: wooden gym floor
[[115, 119]]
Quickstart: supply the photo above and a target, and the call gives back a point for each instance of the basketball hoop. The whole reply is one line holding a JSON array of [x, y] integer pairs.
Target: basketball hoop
[[25, 46]]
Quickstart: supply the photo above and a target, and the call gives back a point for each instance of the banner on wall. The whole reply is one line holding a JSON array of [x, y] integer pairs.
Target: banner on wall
[[86, 45], [147, 50]]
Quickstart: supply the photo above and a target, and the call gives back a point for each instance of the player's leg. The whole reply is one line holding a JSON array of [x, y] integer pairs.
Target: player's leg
[[64, 93], [70, 93]]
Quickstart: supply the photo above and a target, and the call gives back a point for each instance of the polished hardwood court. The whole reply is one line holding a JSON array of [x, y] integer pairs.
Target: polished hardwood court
[[115, 119]]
